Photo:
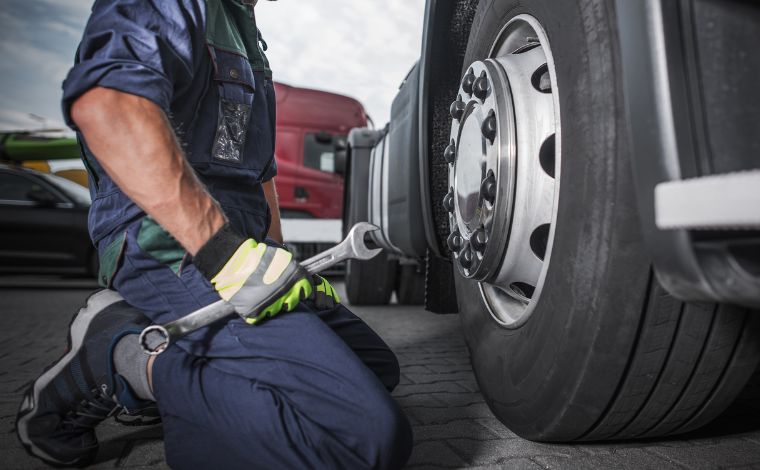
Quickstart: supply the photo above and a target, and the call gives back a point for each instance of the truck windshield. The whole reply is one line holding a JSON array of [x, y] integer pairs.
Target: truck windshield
[[319, 150]]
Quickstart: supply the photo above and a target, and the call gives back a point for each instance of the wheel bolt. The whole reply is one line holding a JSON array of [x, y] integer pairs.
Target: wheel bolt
[[454, 241], [480, 88], [448, 201], [488, 187], [465, 257], [468, 82], [489, 126], [479, 239], [457, 108], [450, 154]]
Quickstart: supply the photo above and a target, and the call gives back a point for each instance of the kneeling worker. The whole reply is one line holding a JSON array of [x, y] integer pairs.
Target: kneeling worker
[[174, 105]]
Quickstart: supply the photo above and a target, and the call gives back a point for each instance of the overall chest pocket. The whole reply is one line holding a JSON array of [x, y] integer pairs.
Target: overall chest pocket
[[236, 89]]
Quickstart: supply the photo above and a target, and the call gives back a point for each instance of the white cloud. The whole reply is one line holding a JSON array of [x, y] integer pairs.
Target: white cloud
[[38, 61], [12, 120], [362, 49]]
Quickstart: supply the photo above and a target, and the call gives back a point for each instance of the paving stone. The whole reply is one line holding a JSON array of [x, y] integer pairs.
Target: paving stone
[[8, 440], [458, 399], [18, 459], [449, 387], [428, 400], [416, 370], [458, 377], [455, 429], [435, 454], [445, 368], [621, 459], [8, 422], [511, 464], [728, 453], [428, 415], [144, 453], [480, 452], [405, 380], [497, 427]]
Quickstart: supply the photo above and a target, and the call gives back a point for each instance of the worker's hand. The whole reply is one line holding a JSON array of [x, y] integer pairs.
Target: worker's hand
[[260, 281], [325, 296]]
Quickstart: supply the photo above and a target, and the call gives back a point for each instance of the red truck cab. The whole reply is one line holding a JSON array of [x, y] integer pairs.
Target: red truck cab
[[312, 127]]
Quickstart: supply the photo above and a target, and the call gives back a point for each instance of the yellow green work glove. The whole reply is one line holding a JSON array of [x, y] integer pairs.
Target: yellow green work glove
[[260, 281], [325, 296]]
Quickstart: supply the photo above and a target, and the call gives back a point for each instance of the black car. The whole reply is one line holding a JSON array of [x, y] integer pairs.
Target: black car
[[43, 224]]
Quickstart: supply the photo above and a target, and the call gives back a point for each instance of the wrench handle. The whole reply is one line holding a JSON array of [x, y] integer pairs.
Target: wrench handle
[[319, 263], [175, 330]]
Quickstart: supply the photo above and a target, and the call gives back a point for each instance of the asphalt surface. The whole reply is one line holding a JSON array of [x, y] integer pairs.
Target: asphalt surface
[[453, 427]]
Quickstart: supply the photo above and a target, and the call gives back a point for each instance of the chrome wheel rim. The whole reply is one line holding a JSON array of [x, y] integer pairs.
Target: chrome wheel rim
[[504, 165]]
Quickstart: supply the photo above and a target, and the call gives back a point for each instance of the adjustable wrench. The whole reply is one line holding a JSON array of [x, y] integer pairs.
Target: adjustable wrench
[[352, 247]]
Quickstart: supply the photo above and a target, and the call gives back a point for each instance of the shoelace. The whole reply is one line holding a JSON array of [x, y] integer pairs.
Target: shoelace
[[140, 418], [89, 413]]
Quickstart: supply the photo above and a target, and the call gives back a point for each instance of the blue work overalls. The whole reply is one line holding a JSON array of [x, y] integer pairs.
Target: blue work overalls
[[306, 389]]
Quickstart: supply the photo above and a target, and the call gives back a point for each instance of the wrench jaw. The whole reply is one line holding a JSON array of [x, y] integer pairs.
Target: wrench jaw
[[358, 243], [158, 330]]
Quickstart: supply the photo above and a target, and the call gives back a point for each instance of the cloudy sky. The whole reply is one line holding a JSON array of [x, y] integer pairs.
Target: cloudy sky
[[362, 49]]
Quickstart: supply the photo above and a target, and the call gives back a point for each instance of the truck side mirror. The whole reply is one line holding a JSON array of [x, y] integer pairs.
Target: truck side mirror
[[323, 137], [340, 161]]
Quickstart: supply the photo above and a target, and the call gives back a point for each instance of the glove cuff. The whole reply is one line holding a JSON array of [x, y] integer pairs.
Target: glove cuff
[[212, 256]]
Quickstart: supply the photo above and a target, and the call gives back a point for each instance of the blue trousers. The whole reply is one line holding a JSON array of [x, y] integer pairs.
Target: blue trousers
[[307, 389]]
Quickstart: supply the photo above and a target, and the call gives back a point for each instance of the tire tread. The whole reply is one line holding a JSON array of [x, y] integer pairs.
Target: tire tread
[[679, 363]]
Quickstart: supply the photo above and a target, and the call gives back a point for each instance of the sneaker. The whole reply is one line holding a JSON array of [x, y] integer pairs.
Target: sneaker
[[60, 410]]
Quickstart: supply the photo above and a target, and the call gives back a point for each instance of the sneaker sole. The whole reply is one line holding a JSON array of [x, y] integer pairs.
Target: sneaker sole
[[95, 304]]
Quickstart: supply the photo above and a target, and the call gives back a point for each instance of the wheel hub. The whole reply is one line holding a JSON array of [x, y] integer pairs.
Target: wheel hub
[[503, 169], [482, 183], [470, 169]]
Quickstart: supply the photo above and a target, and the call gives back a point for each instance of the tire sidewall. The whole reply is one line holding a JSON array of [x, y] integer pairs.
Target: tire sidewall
[[552, 378]]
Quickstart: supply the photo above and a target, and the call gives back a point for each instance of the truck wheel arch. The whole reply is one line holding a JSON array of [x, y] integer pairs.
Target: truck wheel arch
[[444, 40]]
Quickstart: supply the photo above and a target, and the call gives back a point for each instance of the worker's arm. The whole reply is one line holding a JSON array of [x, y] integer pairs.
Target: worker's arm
[[117, 95], [275, 227], [134, 143]]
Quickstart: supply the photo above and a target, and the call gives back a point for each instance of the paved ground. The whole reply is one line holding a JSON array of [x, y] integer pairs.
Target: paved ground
[[453, 427]]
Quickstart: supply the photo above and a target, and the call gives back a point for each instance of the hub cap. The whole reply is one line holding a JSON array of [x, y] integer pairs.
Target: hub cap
[[504, 170]]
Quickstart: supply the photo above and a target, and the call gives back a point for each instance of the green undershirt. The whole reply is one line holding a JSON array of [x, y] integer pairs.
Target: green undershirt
[[231, 25]]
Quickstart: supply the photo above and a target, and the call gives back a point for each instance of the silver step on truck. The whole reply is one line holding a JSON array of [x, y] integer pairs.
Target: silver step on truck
[[580, 180]]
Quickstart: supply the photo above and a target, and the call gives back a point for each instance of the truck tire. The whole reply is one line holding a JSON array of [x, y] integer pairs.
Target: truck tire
[[595, 349], [410, 285], [369, 282]]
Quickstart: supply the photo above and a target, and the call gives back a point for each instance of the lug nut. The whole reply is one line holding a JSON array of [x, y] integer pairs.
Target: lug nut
[[465, 257], [448, 201], [450, 154], [479, 239], [454, 241], [468, 82], [457, 108], [488, 187], [489, 126], [480, 88]]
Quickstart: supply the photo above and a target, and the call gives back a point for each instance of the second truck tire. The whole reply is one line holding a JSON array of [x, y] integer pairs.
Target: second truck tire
[[369, 282]]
